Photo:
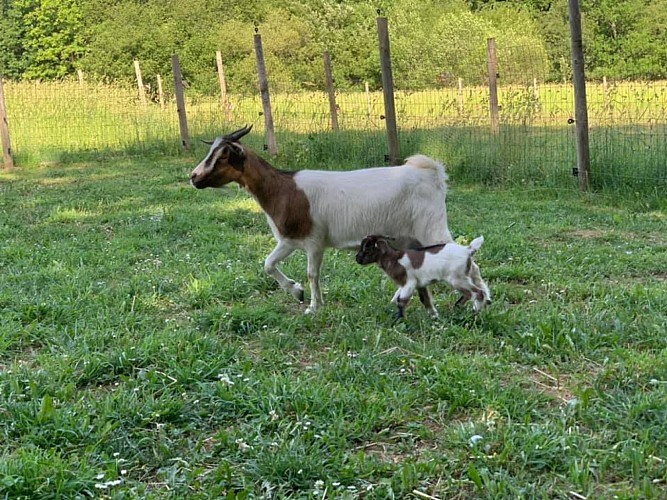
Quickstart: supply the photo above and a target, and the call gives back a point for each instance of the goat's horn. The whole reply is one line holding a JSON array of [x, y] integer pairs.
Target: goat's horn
[[207, 142], [237, 134]]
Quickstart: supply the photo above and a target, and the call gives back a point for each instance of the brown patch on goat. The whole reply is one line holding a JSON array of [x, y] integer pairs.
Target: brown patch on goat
[[375, 249], [416, 258], [279, 196], [417, 255], [394, 270]]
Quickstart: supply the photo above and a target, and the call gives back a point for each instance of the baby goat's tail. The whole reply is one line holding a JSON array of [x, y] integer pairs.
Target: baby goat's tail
[[476, 244]]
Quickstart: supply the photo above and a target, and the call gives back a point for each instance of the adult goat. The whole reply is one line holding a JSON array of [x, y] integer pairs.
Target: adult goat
[[313, 210]]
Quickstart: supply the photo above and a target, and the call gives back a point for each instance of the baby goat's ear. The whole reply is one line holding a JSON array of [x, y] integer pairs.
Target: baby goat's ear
[[382, 244]]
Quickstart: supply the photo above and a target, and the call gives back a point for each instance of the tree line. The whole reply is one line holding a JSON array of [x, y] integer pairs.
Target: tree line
[[432, 41]]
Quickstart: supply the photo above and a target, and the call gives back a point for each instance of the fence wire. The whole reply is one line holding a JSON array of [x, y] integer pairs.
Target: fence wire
[[534, 144]]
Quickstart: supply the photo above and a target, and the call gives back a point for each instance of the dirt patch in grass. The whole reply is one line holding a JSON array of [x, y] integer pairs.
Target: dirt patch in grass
[[587, 233], [557, 386], [395, 452]]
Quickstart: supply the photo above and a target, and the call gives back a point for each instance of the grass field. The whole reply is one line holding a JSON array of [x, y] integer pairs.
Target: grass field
[[144, 354]]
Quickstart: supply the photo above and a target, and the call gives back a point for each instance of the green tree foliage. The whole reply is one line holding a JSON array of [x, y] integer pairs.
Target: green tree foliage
[[41, 38], [627, 39], [433, 41], [12, 33]]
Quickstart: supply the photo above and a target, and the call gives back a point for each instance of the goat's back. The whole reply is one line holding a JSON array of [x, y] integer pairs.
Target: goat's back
[[405, 201]]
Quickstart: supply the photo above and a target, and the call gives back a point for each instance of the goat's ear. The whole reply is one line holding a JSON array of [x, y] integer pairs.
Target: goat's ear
[[237, 156], [382, 244], [210, 143]]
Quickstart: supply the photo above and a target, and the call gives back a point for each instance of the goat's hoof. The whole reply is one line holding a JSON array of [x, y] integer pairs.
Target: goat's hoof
[[298, 292], [310, 310], [433, 313]]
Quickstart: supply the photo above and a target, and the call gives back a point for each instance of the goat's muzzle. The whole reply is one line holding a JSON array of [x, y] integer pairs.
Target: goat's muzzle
[[363, 258], [196, 181]]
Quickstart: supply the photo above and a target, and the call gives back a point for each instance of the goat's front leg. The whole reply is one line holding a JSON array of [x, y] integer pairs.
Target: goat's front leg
[[403, 296], [280, 253], [314, 265], [427, 299]]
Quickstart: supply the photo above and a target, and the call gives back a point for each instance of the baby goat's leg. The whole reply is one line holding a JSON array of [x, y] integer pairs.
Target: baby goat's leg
[[314, 265], [280, 253], [404, 295], [427, 299]]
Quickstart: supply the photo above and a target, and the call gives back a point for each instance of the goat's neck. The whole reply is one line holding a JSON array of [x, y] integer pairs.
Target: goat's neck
[[261, 179], [389, 259]]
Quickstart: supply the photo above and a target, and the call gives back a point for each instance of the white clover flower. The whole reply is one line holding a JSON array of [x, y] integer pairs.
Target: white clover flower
[[243, 446], [474, 440], [224, 378]]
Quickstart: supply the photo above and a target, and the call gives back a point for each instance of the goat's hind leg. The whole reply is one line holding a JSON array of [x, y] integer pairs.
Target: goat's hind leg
[[280, 253]]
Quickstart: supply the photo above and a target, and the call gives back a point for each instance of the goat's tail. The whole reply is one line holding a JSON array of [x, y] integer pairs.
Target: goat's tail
[[476, 244], [423, 161]]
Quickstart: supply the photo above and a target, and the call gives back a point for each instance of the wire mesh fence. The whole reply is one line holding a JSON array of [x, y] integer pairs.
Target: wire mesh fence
[[533, 145]]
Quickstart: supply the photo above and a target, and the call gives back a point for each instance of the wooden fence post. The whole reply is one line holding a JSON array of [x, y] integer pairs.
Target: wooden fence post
[[266, 98], [580, 102], [605, 87], [8, 159], [461, 96], [223, 86], [368, 100], [493, 83], [180, 102], [388, 91], [140, 83], [330, 90], [160, 91], [79, 75]]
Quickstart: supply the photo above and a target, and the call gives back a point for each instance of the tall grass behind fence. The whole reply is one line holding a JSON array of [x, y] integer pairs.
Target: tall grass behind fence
[[534, 143], [51, 120], [302, 122], [629, 135]]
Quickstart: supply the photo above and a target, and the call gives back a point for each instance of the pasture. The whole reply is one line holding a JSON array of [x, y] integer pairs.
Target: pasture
[[144, 353]]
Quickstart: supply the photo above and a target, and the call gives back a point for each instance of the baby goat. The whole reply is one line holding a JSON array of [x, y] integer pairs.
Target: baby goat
[[421, 267]]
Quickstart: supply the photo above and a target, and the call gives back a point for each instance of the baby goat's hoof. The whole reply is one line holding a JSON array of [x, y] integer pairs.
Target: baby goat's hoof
[[298, 292], [310, 310]]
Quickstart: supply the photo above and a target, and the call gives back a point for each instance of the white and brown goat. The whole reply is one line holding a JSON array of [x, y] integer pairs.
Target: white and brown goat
[[313, 210], [409, 269]]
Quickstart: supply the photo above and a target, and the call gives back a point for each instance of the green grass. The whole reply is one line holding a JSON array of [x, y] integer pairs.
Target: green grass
[[144, 353]]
